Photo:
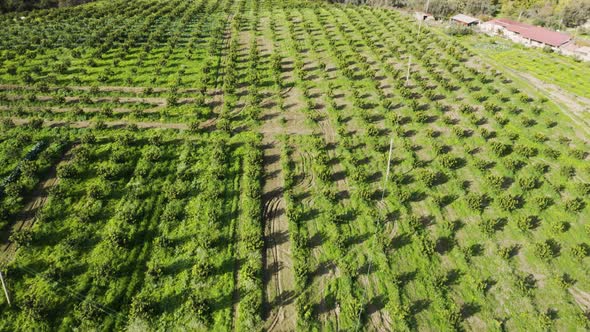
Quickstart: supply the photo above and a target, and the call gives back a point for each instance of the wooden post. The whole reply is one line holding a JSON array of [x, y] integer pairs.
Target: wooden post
[[5, 290], [408, 74], [388, 166]]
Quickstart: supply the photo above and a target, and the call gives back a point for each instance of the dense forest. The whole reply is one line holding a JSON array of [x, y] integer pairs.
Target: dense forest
[[554, 13], [21, 5]]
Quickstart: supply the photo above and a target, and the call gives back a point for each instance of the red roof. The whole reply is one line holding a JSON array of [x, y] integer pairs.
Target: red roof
[[535, 33]]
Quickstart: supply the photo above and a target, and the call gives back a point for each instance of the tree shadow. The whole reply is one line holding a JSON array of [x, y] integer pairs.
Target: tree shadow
[[375, 304], [324, 268], [401, 241], [469, 309], [444, 244]]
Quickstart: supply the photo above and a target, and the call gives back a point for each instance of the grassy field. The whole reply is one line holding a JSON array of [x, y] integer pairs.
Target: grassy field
[[564, 71], [221, 165]]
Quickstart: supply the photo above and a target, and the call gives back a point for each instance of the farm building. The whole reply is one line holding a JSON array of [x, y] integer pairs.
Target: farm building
[[526, 34], [420, 16], [465, 20]]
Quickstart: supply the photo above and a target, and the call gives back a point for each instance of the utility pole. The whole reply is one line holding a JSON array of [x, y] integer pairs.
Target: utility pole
[[5, 290]]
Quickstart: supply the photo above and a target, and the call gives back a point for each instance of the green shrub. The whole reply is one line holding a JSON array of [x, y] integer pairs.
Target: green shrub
[[567, 171], [475, 201], [525, 283], [542, 202], [528, 182], [544, 250], [490, 226], [558, 226], [580, 251], [500, 149], [525, 223], [564, 281], [574, 205], [507, 252], [509, 202], [22, 238], [513, 164], [583, 189], [450, 162]]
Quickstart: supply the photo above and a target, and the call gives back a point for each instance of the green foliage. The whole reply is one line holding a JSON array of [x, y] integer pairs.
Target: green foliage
[[544, 250], [22, 238], [476, 201], [509, 202], [567, 171], [507, 252], [526, 223], [525, 283], [429, 178], [41, 299], [161, 228], [559, 226], [542, 202], [495, 181], [583, 189], [513, 164], [450, 162], [576, 13], [500, 149], [574, 205], [143, 305], [564, 281], [200, 306], [528, 182], [580, 251], [490, 226]]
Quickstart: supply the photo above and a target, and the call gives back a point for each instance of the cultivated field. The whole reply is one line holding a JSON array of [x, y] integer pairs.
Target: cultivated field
[[561, 70], [221, 165]]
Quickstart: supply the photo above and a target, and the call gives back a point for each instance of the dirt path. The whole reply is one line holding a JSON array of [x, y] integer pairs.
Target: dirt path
[[118, 110], [76, 99], [279, 279], [579, 105], [575, 107], [582, 298], [278, 271], [27, 217], [127, 89], [208, 125]]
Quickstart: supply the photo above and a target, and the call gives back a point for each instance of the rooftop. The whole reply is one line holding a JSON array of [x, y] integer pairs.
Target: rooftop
[[535, 33], [464, 18]]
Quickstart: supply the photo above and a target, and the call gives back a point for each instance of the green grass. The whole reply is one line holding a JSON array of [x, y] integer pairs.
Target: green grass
[[163, 229], [564, 71]]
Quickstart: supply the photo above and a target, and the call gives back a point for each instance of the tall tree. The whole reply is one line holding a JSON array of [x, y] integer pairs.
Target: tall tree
[[576, 13]]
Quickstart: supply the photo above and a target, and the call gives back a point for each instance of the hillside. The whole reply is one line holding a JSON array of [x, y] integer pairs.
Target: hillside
[[284, 165], [558, 14], [24, 5]]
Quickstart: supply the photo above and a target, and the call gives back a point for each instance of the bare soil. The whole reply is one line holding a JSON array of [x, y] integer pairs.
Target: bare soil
[[27, 217], [575, 107], [127, 89], [582, 298], [278, 266], [111, 124], [121, 110]]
